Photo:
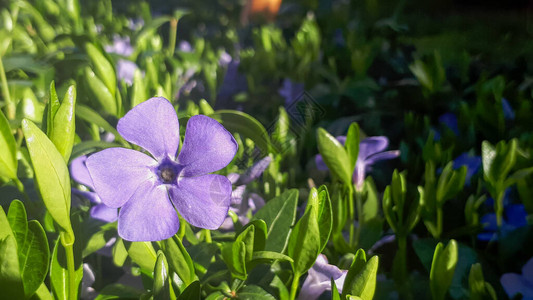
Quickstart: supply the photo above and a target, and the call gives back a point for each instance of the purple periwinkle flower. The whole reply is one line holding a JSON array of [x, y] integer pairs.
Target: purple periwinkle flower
[[125, 68], [515, 216], [319, 279], [80, 174], [371, 150], [472, 163], [514, 284], [508, 112], [450, 121], [291, 91], [149, 189], [242, 202]]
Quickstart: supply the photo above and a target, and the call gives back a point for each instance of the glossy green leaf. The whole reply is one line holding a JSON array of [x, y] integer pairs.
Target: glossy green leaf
[[18, 221], [51, 173], [246, 125], [443, 268], [270, 256], [335, 156], [34, 256], [205, 108], [59, 273], [64, 125], [279, 215], [161, 287], [192, 292], [100, 92], [361, 278], [498, 161], [479, 288], [179, 259], [103, 68], [42, 293], [119, 252], [247, 237], [51, 108], [10, 278], [304, 242], [352, 144], [119, 291], [450, 183], [142, 253], [234, 255], [335, 295], [8, 150], [254, 292]]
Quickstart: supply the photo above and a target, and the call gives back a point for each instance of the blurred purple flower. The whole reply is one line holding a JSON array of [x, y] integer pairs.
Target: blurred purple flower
[[450, 121], [371, 150], [514, 284], [146, 188], [134, 24], [515, 217], [472, 163], [243, 203], [319, 279], [80, 174], [185, 46], [234, 82], [508, 112], [125, 68], [291, 91]]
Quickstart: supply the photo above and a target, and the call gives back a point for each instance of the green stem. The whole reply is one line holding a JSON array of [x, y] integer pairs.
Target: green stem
[[207, 234], [439, 222], [351, 215], [72, 289], [10, 106], [172, 36], [498, 208], [19, 184], [294, 286]]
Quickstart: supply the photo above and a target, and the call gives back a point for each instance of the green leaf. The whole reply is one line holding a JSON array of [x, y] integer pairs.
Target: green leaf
[[270, 255], [91, 116], [179, 259], [335, 156], [247, 237], [450, 183], [101, 92], [18, 221], [142, 253], [59, 273], [119, 252], [442, 269], [34, 256], [361, 278], [498, 161], [246, 125], [104, 69], [51, 108], [118, 291], [279, 215], [139, 89], [42, 293], [10, 279], [51, 174], [234, 255], [304, 242], [192, 292], [161, 287], [352, 144], [8, 150], [205, 108], [64, 125], [335, 295], [479, 288], [254, 292]]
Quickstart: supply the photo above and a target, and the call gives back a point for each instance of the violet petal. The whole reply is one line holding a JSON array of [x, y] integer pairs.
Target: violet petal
[[202, 201], [154, 126], [320, 164], [513, 284], [372, 145], [79, 172], [207, 147], [382, 156], [148, 215], [118, 172], [104, 213]]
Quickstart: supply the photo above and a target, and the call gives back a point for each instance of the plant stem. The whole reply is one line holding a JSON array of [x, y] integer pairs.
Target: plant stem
[[172, 36], [10, 106], [294, 286], [207, 234], [351, 215], [72, 289], [498, 208], [439, 222], [360, 217]]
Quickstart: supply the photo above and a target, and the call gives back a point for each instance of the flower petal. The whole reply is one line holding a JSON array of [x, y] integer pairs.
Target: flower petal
[[118, 172], [148, 215], [382, 156], [154, 126], [527, 270], [513, 284], [372, 145], [207, 147], [320, 164], [254, 171], [104, 213], [202, 201], [79, 172]]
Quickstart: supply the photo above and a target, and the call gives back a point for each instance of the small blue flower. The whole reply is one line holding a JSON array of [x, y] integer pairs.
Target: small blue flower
[[450, 121], [472, 163], [508, 112], [515, 217]]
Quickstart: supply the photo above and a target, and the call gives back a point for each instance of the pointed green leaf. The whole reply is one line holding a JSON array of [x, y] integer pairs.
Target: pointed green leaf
[[304, 242], [192, 292], [103, 67], [161, 287], [179, 259], [279, 215], [101, 92], [51, 174], [10, 279], [352, 144], [51, 108], [139, 89], [443, 268], [8, 150], [64, 125], [254, 292], [234, 255], [142, 253], [18, 221], [34, 256], [205, 108], [334, 156]]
